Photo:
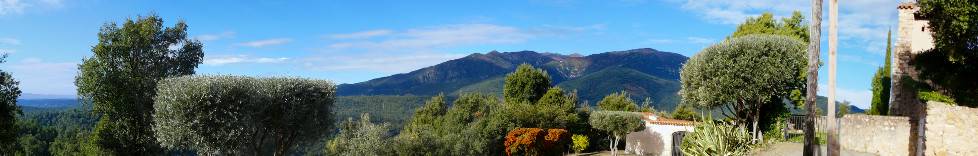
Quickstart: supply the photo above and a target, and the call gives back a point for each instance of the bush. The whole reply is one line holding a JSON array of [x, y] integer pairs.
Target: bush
[[935, 96], [580, 143], [524, 141], [717, 138], [532, 141]]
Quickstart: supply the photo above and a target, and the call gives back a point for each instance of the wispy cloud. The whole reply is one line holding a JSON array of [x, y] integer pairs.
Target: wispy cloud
[[18, 7], [377, 62], [9, 41], [693, 40], [31, 60], [857, 59], [6, 51], [225, 59], [361, 35], [262, 43], [211, 37], [450, 36], [861, 26], [48, 78], [396, 51]]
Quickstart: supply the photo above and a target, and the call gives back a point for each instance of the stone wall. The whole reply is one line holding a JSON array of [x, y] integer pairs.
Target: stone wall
[[883, 135], [950, 129]]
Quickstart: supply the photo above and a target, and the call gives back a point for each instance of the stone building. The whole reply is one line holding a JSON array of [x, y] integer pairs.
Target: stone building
[[661, 136], [913, 37]]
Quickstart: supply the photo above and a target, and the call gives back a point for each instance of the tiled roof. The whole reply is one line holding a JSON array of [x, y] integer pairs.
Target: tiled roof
[[907, 5], [665, 121]]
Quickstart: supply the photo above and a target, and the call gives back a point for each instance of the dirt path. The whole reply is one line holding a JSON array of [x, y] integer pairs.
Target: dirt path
[[790, 148]]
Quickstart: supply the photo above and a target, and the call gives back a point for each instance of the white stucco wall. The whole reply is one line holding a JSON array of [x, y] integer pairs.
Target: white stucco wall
[[920, 40], [654, 140]]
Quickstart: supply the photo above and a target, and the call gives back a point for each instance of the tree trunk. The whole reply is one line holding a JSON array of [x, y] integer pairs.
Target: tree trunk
[[813, 52], [757, 132]]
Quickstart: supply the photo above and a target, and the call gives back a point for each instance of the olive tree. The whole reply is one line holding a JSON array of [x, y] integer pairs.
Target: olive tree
[[229, 115], [120, 78], [618, 123], [741, 74]]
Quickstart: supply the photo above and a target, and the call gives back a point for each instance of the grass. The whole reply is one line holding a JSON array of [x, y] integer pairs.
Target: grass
[[820, 136]]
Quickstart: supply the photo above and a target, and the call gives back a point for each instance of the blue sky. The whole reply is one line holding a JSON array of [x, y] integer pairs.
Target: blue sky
[[354, 41]]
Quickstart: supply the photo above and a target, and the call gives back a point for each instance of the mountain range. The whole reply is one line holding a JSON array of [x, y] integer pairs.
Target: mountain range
[[643, 73]]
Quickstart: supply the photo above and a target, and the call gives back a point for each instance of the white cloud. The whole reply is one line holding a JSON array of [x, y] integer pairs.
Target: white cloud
[[862, 23], [225, 59], [361, 35], [18, 7], [262, 43], [857, 59], [47, 78], [31, 60], [9, 41], [700, 40], [397, 51], [691, 40], [7, 51], [377, 62], [861, 98], [211, 37]]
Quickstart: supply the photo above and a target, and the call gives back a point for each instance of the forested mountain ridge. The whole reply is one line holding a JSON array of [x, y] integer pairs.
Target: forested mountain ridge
[[484, 72]]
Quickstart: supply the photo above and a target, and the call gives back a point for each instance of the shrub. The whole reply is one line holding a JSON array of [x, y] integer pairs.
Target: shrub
[[717, 138], [580, 143], [532, 141], [524, 141]]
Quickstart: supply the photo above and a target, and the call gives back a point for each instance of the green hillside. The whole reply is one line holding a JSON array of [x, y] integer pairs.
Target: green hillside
[[593, 87]]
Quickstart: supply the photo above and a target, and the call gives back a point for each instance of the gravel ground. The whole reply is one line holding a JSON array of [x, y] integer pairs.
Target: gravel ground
[[791, 148]]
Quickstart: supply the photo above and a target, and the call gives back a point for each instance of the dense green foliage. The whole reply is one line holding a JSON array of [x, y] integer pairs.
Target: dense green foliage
[[935, 96], [120, 79], [953, 63], [394, 110], [881, 85], [8, 110], [580, 143], [527, 84], [234, 115], [618, 123], [766, 24], [360, 138], [741, 75], [618, 102], [718, 138]]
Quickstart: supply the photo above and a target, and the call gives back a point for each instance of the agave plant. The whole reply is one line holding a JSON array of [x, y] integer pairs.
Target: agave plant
[[718, 138]]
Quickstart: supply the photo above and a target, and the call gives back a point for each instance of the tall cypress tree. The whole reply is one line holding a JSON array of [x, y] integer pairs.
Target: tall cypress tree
[[881, 83]]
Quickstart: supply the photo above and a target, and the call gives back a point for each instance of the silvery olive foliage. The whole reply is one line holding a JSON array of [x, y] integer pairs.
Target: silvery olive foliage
[[236, 115], [741, 74], [618, 123]]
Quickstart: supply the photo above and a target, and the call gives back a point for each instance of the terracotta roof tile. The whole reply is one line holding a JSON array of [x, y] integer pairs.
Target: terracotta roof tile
[[665, 121]]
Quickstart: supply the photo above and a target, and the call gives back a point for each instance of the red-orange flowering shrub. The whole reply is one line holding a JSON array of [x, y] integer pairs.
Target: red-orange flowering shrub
[[532, 141]]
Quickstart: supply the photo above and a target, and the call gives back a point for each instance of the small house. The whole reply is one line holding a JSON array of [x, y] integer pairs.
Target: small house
[[661, 136]]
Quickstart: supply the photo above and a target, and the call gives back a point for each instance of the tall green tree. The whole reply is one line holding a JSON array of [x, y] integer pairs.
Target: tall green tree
[[618, 102], [8, 110], [740, 75], [119, 80], [881, 84], [526, 85], [794, 26], [952, 64]]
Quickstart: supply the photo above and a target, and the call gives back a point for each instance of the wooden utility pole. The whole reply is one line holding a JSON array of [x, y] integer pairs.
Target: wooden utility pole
[[813, 44], [833, 147]]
